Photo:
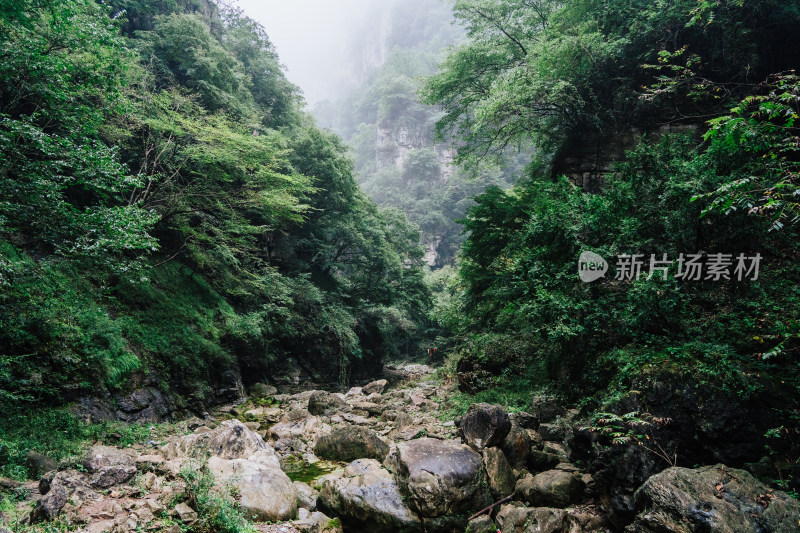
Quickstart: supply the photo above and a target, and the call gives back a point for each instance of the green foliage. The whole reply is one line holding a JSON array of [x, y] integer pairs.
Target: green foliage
[[759, 142], [167, 210], [62, 185], [518, 274], [555, 71], [216, 510], [59, 435]]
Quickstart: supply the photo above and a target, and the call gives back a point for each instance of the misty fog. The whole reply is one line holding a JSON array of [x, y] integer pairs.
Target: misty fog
[[312, 38]]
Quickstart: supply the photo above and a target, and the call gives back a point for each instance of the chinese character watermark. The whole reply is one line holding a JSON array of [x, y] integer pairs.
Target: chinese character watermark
[[687, 267]]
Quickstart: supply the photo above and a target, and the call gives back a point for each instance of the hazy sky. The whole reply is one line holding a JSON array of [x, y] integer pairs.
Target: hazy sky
[[311, 37]]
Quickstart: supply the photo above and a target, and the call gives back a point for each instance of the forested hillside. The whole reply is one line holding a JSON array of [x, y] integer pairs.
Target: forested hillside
[[170, 218]]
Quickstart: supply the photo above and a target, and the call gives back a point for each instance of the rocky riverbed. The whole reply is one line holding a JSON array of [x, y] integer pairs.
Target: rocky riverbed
[[383, 458]]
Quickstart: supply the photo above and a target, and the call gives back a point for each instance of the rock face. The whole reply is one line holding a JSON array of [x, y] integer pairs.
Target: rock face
[[439, 477], [712, 498], [367, 498], [485, 425], [501, 477], [323, 403], [554, 488], [351, 443]]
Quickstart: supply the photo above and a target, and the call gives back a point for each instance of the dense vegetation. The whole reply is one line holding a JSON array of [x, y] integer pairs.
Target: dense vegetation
[[565, 74], [170, 216]]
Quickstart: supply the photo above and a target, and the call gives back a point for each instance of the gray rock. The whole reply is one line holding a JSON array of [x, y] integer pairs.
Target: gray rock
[[551, 431], [501, 476], [306, 496], [100, 457], [351, 443], [525, 420], [318, 523], [366, 497], [539, 461], [481, 524], [264, 490], [531, 520], [517, 446], [260, 390], [712, 498], [45, 481], [403, 420], [554, 488], [324, 403], [439, 477], [143, 405], [369, 408], [375, 386], [112, 475], [547, 408], [185, 514], [38, 464], [230, 440], [485, 425], [50, 505]]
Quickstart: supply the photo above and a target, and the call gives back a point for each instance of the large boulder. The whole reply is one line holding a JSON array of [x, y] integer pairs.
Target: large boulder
[[100, 457], [263, 489], [501, 476], [351, 443], [481, 524], [50, 505], [112, 475], [517, 446], [262, 390], [63, 486], [324, 403], [38, 464], [712, 498], [230, 440], [547, 408], [366, 497], [699, 420], [485, 425], [555, 488], [439, 477], [298, 425], [306, 496], [374, 386]]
